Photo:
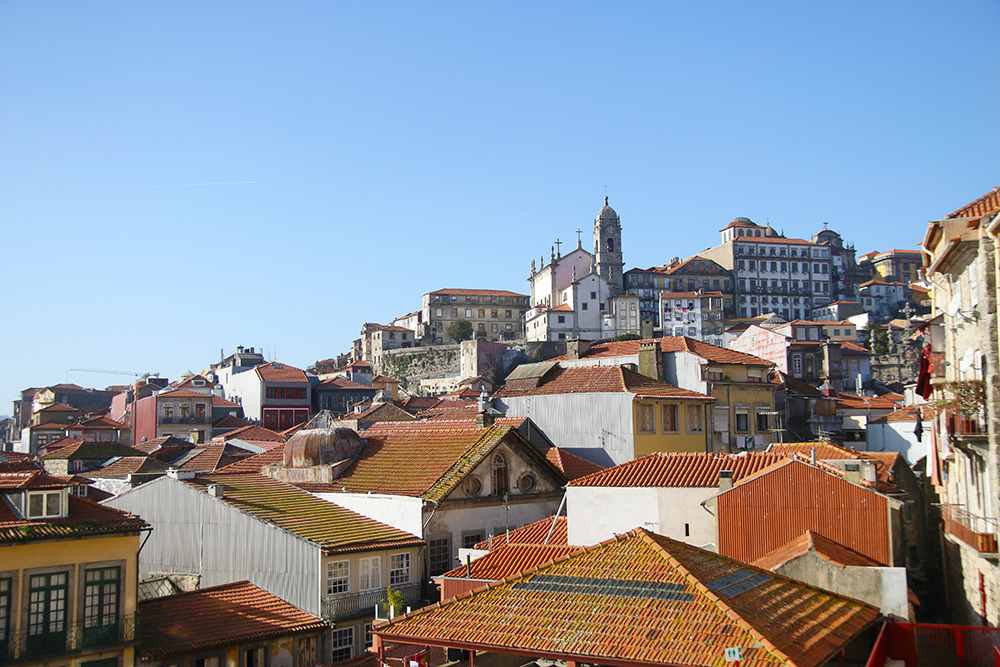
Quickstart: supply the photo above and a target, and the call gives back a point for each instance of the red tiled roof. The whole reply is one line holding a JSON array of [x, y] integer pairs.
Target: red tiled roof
[[447, 452], [165, 441], [572, 465], [537, 532], [383, 412], [907, 414], [341, 382], [680, 469], [129, 465], [226, 615], [856, 402], [254, 463], [58, 407], [707, 351], [274, 371], [562, 308], [184, 393], [189, 382], [100, 422], [852, 347], [253, 432], [384, 379], [506, 560], [827, 451], [395, 328], [219, 402], [94, 450], [824, 547], [230, 421], [682, 609], [985, 205], [206, 458], [415, 404], [334, 528], [477, 292], [603, 379], [85, 517]]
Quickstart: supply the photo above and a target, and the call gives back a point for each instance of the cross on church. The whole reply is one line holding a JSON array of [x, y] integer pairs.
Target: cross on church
[[558, 247], [908, 311], [579, 237]]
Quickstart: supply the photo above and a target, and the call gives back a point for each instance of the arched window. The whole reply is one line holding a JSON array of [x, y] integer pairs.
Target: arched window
[[611, 245], [499, 475]]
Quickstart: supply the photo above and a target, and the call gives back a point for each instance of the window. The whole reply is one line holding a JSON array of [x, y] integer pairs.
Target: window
[[668, 418], [5, 585], [762, 425], [439, 554], [368, 635], [212, 661], [562, 319], [499, 475], [255, 657], [399, 569], [45, 504], [742, 420], [507, 314], [471, 539], [371, 573], [100, 604], [454, 312], [593, 295], [338, 577], [342, 642], [644, 420], [695, 423], [584, 305], [47, 611], [715, 374], [468, 312]]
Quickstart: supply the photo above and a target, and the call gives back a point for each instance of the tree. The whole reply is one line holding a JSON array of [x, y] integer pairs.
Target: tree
[[877, 340], [394, 600], [459, 330]]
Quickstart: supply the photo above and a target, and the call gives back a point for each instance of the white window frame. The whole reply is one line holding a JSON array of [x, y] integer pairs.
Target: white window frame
[[341, 583], [399, 568], [370, 573], [45, 496], [340, 639]]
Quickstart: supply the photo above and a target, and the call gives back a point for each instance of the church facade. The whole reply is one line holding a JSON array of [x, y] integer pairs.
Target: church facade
[[581, 295]]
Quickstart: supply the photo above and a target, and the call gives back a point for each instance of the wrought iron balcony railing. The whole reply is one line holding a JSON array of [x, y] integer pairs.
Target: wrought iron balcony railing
[[54, 638], [345, 605], [976, 531]]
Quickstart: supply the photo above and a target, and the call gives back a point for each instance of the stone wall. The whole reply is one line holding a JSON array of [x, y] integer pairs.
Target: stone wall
[[970, 576], [411, 365]]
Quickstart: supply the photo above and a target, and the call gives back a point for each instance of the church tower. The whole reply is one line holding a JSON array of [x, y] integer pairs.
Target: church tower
[[608, 247]]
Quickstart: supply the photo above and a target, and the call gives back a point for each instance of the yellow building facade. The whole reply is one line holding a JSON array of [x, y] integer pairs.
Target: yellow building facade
[[68, 576]]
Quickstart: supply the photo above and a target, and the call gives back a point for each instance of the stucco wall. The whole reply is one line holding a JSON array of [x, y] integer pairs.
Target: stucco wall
[[402, 512], [898, 437], [883, 587]]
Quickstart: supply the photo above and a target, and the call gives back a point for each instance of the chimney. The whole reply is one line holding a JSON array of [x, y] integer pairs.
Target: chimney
[[576, 348], [215, 490], [651, 359], [484, 419], [813, 455], [869, 472], [180, 473], [852, 472], [195, 436], [725, 480]]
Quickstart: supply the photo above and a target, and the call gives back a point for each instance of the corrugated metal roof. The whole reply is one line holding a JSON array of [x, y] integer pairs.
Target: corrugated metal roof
[[766, 511]]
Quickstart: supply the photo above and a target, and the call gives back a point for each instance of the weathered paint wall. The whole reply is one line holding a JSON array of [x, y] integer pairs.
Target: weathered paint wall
[[195, 533], [883, 587], [680, 441]]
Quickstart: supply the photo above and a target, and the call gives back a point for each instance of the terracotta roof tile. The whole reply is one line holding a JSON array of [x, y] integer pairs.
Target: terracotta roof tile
[[447, 451], [209, 457], [100, 422], [341, 382], [219, 402], [166, 441], [219, 616], [680, 469], [230, 421], [130, 465], [98, 450], [254, 463], [562, 308], [907, 414], [506, 560], [383, 412], [856, 402], [707, 351], [335, 529], [274, 371], [536, 532], [572, 465], [985, 205], [585, 606], [824, 547], [603, 379], [84, 518], [478, 292], [58, 407], [184, 393], [253, 432]]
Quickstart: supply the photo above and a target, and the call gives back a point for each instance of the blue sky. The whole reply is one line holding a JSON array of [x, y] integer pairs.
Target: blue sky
[[367, 153]]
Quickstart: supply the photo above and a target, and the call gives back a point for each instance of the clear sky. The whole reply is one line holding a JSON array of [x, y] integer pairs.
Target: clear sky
[[182, 177]]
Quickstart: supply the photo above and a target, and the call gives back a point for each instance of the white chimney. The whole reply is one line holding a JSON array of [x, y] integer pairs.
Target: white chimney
[[215, 490], [725, 480], [180, 474]]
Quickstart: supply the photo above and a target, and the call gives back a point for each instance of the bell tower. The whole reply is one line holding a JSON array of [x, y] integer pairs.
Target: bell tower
[[608, 247]]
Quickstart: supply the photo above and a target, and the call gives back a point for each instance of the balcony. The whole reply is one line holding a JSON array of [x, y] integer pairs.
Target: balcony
[[345, 605], [183, 420], [978, 532], [936, 360], [56, 640]]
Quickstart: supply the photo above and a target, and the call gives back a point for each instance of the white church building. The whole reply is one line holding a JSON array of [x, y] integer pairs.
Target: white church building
[[581, 295]]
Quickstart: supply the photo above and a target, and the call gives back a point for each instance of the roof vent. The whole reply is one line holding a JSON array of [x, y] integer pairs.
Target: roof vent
[[180, 474], [216, 491]]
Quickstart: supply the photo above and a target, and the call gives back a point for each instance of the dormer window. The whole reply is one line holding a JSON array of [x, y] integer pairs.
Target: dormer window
[[46, 505]]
